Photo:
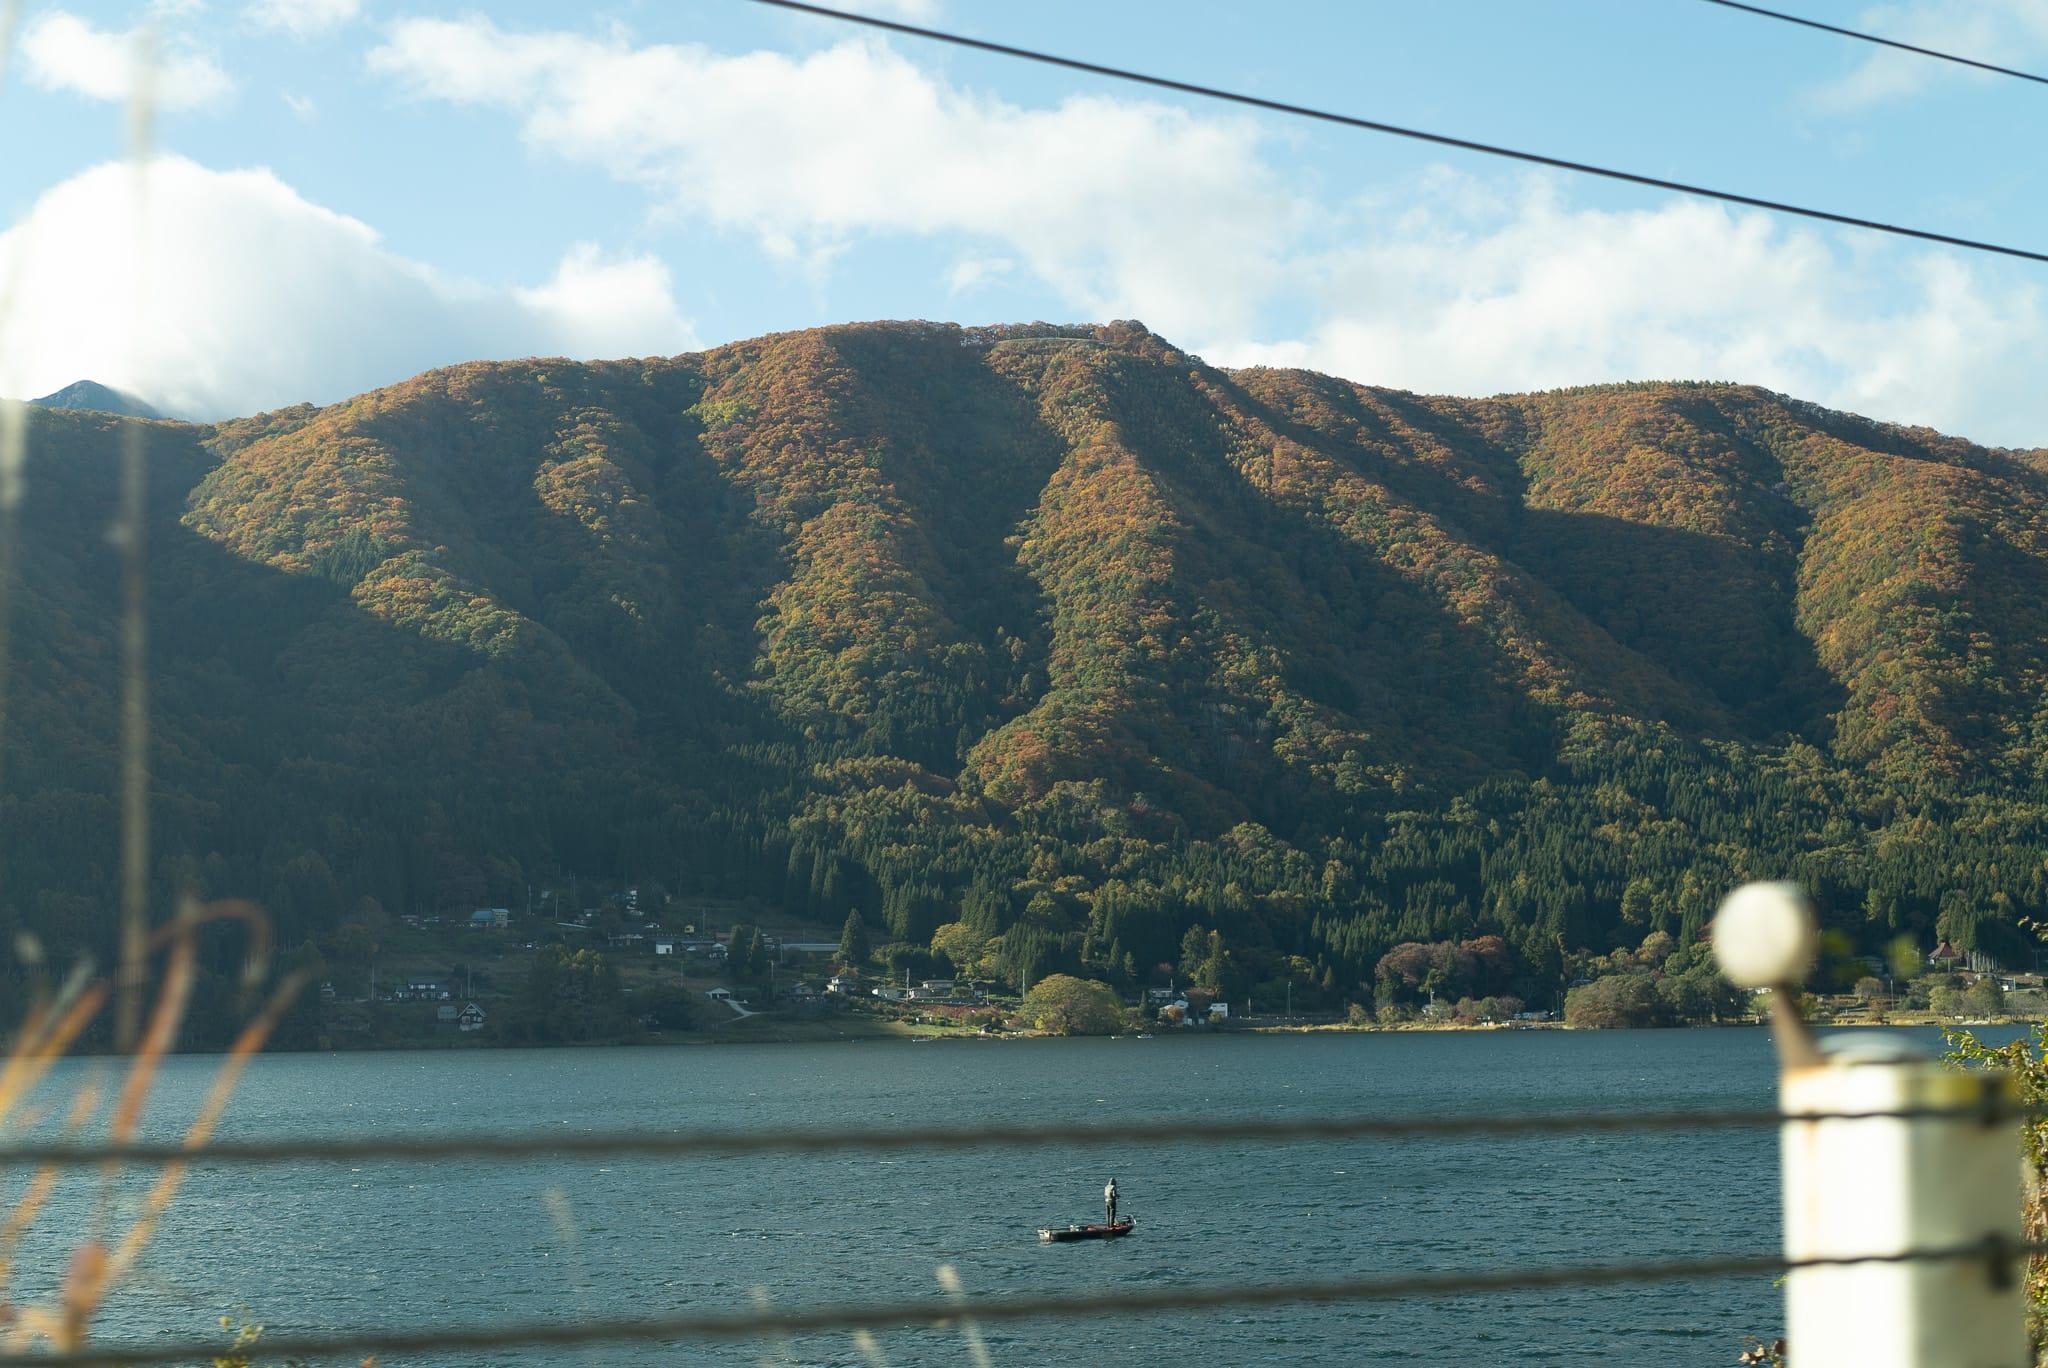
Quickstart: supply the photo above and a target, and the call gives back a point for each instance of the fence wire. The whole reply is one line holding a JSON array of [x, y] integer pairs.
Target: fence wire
[[863, 1320], [2004, 1256], [683, 1144]]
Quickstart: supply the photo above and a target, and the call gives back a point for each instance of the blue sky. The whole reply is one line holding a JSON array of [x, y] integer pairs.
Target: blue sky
[[352, 191]]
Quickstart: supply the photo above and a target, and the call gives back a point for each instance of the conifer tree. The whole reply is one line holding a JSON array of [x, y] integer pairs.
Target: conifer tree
[[854, 947]]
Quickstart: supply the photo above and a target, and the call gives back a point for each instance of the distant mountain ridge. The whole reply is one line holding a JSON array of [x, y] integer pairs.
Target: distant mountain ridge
[[95, 397], [1061, 634]]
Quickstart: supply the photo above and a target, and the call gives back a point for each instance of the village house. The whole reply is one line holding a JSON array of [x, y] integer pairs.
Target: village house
[[1196, 1012], [471, 1017]]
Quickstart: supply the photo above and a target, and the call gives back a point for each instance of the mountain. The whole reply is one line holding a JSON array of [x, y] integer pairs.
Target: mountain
[[91, 395], [1061, 635]]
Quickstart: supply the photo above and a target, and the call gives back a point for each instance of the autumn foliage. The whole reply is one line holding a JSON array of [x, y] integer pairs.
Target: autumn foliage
[[1060, 637]]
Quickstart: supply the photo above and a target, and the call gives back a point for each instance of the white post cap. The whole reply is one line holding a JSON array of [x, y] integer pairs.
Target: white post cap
[[1766, 935]]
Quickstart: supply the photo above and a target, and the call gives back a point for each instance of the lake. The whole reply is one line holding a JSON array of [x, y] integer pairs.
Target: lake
[[320, 1248]]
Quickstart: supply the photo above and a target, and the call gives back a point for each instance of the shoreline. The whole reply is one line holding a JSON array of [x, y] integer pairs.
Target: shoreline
[[864, 1029]]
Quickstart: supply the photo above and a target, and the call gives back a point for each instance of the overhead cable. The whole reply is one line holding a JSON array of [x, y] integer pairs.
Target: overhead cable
[[1209, 92], [1863, 37]]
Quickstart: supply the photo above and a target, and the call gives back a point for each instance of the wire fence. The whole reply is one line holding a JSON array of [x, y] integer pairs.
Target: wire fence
[[683, 1144], [2002, 1255]]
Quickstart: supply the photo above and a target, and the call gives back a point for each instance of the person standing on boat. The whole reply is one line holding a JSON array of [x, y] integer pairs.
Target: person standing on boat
[[1109, 1203]]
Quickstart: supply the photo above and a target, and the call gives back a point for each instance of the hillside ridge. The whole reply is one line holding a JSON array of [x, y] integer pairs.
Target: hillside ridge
[[91, 395], [1058, 634]]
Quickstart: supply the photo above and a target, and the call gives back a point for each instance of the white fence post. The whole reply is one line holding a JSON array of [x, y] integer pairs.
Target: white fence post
[[1855, 1188], [1886, 1187]]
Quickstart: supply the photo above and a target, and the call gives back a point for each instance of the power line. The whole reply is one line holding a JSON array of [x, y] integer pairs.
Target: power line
[[727, 1144], [1398, 130], [885, 1316], [1863, 37]]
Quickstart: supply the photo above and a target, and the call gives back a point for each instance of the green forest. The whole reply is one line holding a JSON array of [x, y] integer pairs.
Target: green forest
[[1047, 650]]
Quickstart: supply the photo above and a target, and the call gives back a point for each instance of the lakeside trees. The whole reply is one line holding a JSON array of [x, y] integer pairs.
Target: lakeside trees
[[1618, 1000], [747, 957], [1061, 1004], [569, 996]]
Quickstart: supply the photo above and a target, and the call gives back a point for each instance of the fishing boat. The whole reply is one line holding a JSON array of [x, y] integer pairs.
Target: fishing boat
[[1098, 1231]]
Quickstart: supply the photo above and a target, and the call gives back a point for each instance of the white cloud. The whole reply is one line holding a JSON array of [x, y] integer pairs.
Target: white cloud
[[65, 52], [971, 272], [1133, 209], [251, 297], [1470, 293], [2001, 31], [301, 105], [595, 307], [1121, 206], [302, 18]]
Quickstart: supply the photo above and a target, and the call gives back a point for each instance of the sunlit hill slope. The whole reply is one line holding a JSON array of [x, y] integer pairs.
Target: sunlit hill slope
[[1060, 631]]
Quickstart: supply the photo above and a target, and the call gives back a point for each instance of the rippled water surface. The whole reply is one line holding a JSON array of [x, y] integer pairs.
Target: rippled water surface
[[462, 1243]]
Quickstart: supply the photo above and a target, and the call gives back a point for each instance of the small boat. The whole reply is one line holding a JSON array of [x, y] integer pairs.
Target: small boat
[[1098, 1231]]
